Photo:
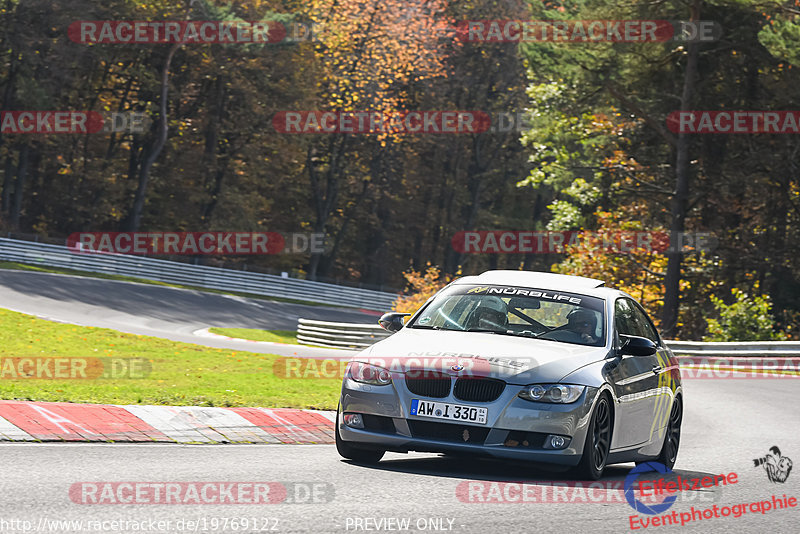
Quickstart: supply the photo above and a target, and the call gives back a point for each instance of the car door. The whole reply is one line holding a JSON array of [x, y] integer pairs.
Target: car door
[[635, 381], [663, 394]]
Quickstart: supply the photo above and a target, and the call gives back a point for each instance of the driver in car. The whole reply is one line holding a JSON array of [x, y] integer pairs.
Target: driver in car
[[488, 318], [582, 322]]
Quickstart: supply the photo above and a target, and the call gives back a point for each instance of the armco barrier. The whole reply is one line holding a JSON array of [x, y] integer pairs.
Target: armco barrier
[[194, 275], [358, 336], [339, 335], [736, 349]]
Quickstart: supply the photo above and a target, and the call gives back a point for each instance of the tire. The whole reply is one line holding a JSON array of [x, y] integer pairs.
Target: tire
[[598, 441], [672, 437], [355, 453]]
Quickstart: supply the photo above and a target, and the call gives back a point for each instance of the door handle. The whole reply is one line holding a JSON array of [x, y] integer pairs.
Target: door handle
[[657, 369]]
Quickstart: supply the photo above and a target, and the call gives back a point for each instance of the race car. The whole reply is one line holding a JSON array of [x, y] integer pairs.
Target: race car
[[517, 365]]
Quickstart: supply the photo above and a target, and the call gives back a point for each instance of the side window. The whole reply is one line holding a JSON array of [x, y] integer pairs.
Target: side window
[[623, 318], [645, 326]]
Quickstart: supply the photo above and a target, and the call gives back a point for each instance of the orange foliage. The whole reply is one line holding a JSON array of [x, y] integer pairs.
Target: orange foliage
[[371, 50], [638, 273], [421, 287]]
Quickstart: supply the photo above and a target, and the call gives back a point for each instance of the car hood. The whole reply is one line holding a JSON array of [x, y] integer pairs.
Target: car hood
[[516, 360]]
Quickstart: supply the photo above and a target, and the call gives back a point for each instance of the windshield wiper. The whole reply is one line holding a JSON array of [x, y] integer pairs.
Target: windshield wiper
[[562, 340], [426, 327], [533, 335], [489, 331]]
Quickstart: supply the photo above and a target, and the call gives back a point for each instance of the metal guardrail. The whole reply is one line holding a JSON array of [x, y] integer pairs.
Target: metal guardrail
[[736, 349], [358, 336], [339, 335], [194, 275]]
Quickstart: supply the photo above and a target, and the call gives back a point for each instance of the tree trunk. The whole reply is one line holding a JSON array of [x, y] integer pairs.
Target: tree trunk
[[19, 186], [151, 155], [324, 202], [680, 197], [8, 184], [475, 185], [214, 169]]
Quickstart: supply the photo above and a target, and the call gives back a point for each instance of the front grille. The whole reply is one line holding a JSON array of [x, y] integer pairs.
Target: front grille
[[478, 389], [448, 432], [378, 423], [428, 384]]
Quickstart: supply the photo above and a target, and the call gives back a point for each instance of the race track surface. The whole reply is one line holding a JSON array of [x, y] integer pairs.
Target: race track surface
[[727, 424], [160, 311]]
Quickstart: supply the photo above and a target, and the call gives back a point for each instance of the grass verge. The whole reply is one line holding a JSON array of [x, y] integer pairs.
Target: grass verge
[[182, 374], [254, 334]]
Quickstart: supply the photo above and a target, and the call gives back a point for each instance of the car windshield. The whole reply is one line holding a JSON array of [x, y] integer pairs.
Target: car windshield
[[526, 312]]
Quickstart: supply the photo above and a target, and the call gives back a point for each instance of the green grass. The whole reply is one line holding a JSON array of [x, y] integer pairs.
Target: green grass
[[254, 334], [182, 374], [59, 270]]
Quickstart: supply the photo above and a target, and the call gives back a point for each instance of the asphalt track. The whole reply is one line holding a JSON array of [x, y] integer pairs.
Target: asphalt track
[[160, 311], [727, 424]]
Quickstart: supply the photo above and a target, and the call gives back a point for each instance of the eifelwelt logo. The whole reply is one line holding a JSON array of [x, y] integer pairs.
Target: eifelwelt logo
[[51, 122], [184, 32]]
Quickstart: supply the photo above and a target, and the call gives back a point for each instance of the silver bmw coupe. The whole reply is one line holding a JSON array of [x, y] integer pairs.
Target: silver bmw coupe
[[518, 365]]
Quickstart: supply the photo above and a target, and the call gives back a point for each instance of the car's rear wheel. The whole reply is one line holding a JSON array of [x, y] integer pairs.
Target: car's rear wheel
[[672, 438], [598, 441], [355, 453]]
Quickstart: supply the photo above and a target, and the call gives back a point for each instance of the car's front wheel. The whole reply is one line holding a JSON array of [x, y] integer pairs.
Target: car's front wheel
[[598, 441], [355, 453]]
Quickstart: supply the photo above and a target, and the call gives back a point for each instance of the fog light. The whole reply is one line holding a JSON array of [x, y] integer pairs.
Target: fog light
[[354, 420], [555, 442]]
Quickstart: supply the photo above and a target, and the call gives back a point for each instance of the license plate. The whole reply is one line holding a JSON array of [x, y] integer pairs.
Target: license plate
[[450, 412]]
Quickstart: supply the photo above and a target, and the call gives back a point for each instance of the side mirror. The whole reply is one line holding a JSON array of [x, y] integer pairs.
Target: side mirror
[[637, 346], [392, 321]]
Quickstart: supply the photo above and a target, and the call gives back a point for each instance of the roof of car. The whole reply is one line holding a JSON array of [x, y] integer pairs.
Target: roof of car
[[540, 280]]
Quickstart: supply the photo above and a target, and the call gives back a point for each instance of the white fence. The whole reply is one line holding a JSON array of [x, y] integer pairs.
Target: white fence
[[358, 336], [202, 276], [339, 335], [736, 349]]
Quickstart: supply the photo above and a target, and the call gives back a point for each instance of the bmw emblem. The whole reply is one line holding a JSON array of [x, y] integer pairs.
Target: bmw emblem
[[457, 368]]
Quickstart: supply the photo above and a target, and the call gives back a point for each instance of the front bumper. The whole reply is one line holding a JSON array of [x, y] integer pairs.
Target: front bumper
[[515, 428]]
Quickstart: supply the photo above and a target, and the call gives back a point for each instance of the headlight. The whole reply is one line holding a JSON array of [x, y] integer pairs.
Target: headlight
[[368, 374], [553, 393]]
